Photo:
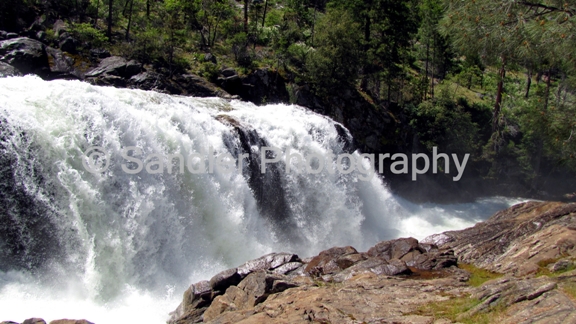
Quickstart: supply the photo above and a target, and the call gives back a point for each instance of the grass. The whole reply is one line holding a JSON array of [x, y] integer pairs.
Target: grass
[[544, 271], [569, 288], [478, 276], [455, 308]]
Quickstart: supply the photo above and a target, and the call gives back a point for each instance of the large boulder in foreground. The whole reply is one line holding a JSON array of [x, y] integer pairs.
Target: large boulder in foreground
[[25, 54]]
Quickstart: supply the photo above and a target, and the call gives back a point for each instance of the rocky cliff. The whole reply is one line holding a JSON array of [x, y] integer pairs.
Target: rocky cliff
[[517, 267]]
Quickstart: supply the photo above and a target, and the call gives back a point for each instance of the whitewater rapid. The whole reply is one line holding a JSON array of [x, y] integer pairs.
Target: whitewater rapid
[[114, 247]]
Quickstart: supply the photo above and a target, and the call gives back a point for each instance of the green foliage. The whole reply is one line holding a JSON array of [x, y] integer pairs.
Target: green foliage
[[336, 57], [239, 46], [84, 32], [209, 71], [452, 126]]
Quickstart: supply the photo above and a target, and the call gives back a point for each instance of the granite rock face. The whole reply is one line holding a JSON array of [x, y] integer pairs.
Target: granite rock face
[[236, 293], [25, 54], [515, 240], [530, 246]]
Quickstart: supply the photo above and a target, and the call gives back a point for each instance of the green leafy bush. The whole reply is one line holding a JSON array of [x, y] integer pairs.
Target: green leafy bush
[[85, 33]]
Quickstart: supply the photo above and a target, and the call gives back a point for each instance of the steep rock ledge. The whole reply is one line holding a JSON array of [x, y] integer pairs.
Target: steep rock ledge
[[530, 249]]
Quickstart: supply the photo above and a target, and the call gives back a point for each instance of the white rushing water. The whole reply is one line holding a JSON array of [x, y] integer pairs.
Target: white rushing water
[[114, 247]]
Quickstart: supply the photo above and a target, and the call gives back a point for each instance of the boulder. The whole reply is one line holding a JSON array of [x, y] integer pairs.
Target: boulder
[[253, 290], [377, 265], [69, 44], [262, 86], [34, 321], [332, 261], [267, 262], [193, 85], [7, 70], [69, 321], [225, 279], [116, 66], [25, 54], [59, 27], [209, 57], [228, 72], [99, 53]]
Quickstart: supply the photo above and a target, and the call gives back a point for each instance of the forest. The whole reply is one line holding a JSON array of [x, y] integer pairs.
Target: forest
[[495, 79]]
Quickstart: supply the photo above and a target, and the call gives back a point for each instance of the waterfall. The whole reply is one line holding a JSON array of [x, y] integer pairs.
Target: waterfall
[[111, 246]]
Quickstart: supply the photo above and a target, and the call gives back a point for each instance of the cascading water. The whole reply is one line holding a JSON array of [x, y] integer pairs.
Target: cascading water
[[115, 247]]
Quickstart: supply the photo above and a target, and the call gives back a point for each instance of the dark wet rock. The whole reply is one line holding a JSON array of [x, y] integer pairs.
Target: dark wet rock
[[116, 66], [7, 70], [99, 53], [209, 57], [12, 35], [25, 54], [148, 81], [262, 86], [228, 72], [69, 44], [225, 279], [193, 85], [40, 36]]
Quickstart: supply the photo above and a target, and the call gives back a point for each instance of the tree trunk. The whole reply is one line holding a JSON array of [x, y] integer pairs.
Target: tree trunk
[[313, 26], [97, 12], [129, 19], [426, 70], [264, 16], [125, 9], [547, 92], [148, 9], [367, 26], [246, 17], [215, 30], [560, 88], [528, 84], [110, 5], [432, 69], [498, 104]]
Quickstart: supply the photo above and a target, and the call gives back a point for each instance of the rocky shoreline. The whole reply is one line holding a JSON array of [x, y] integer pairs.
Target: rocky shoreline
[[529, 250], [519, 266]]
